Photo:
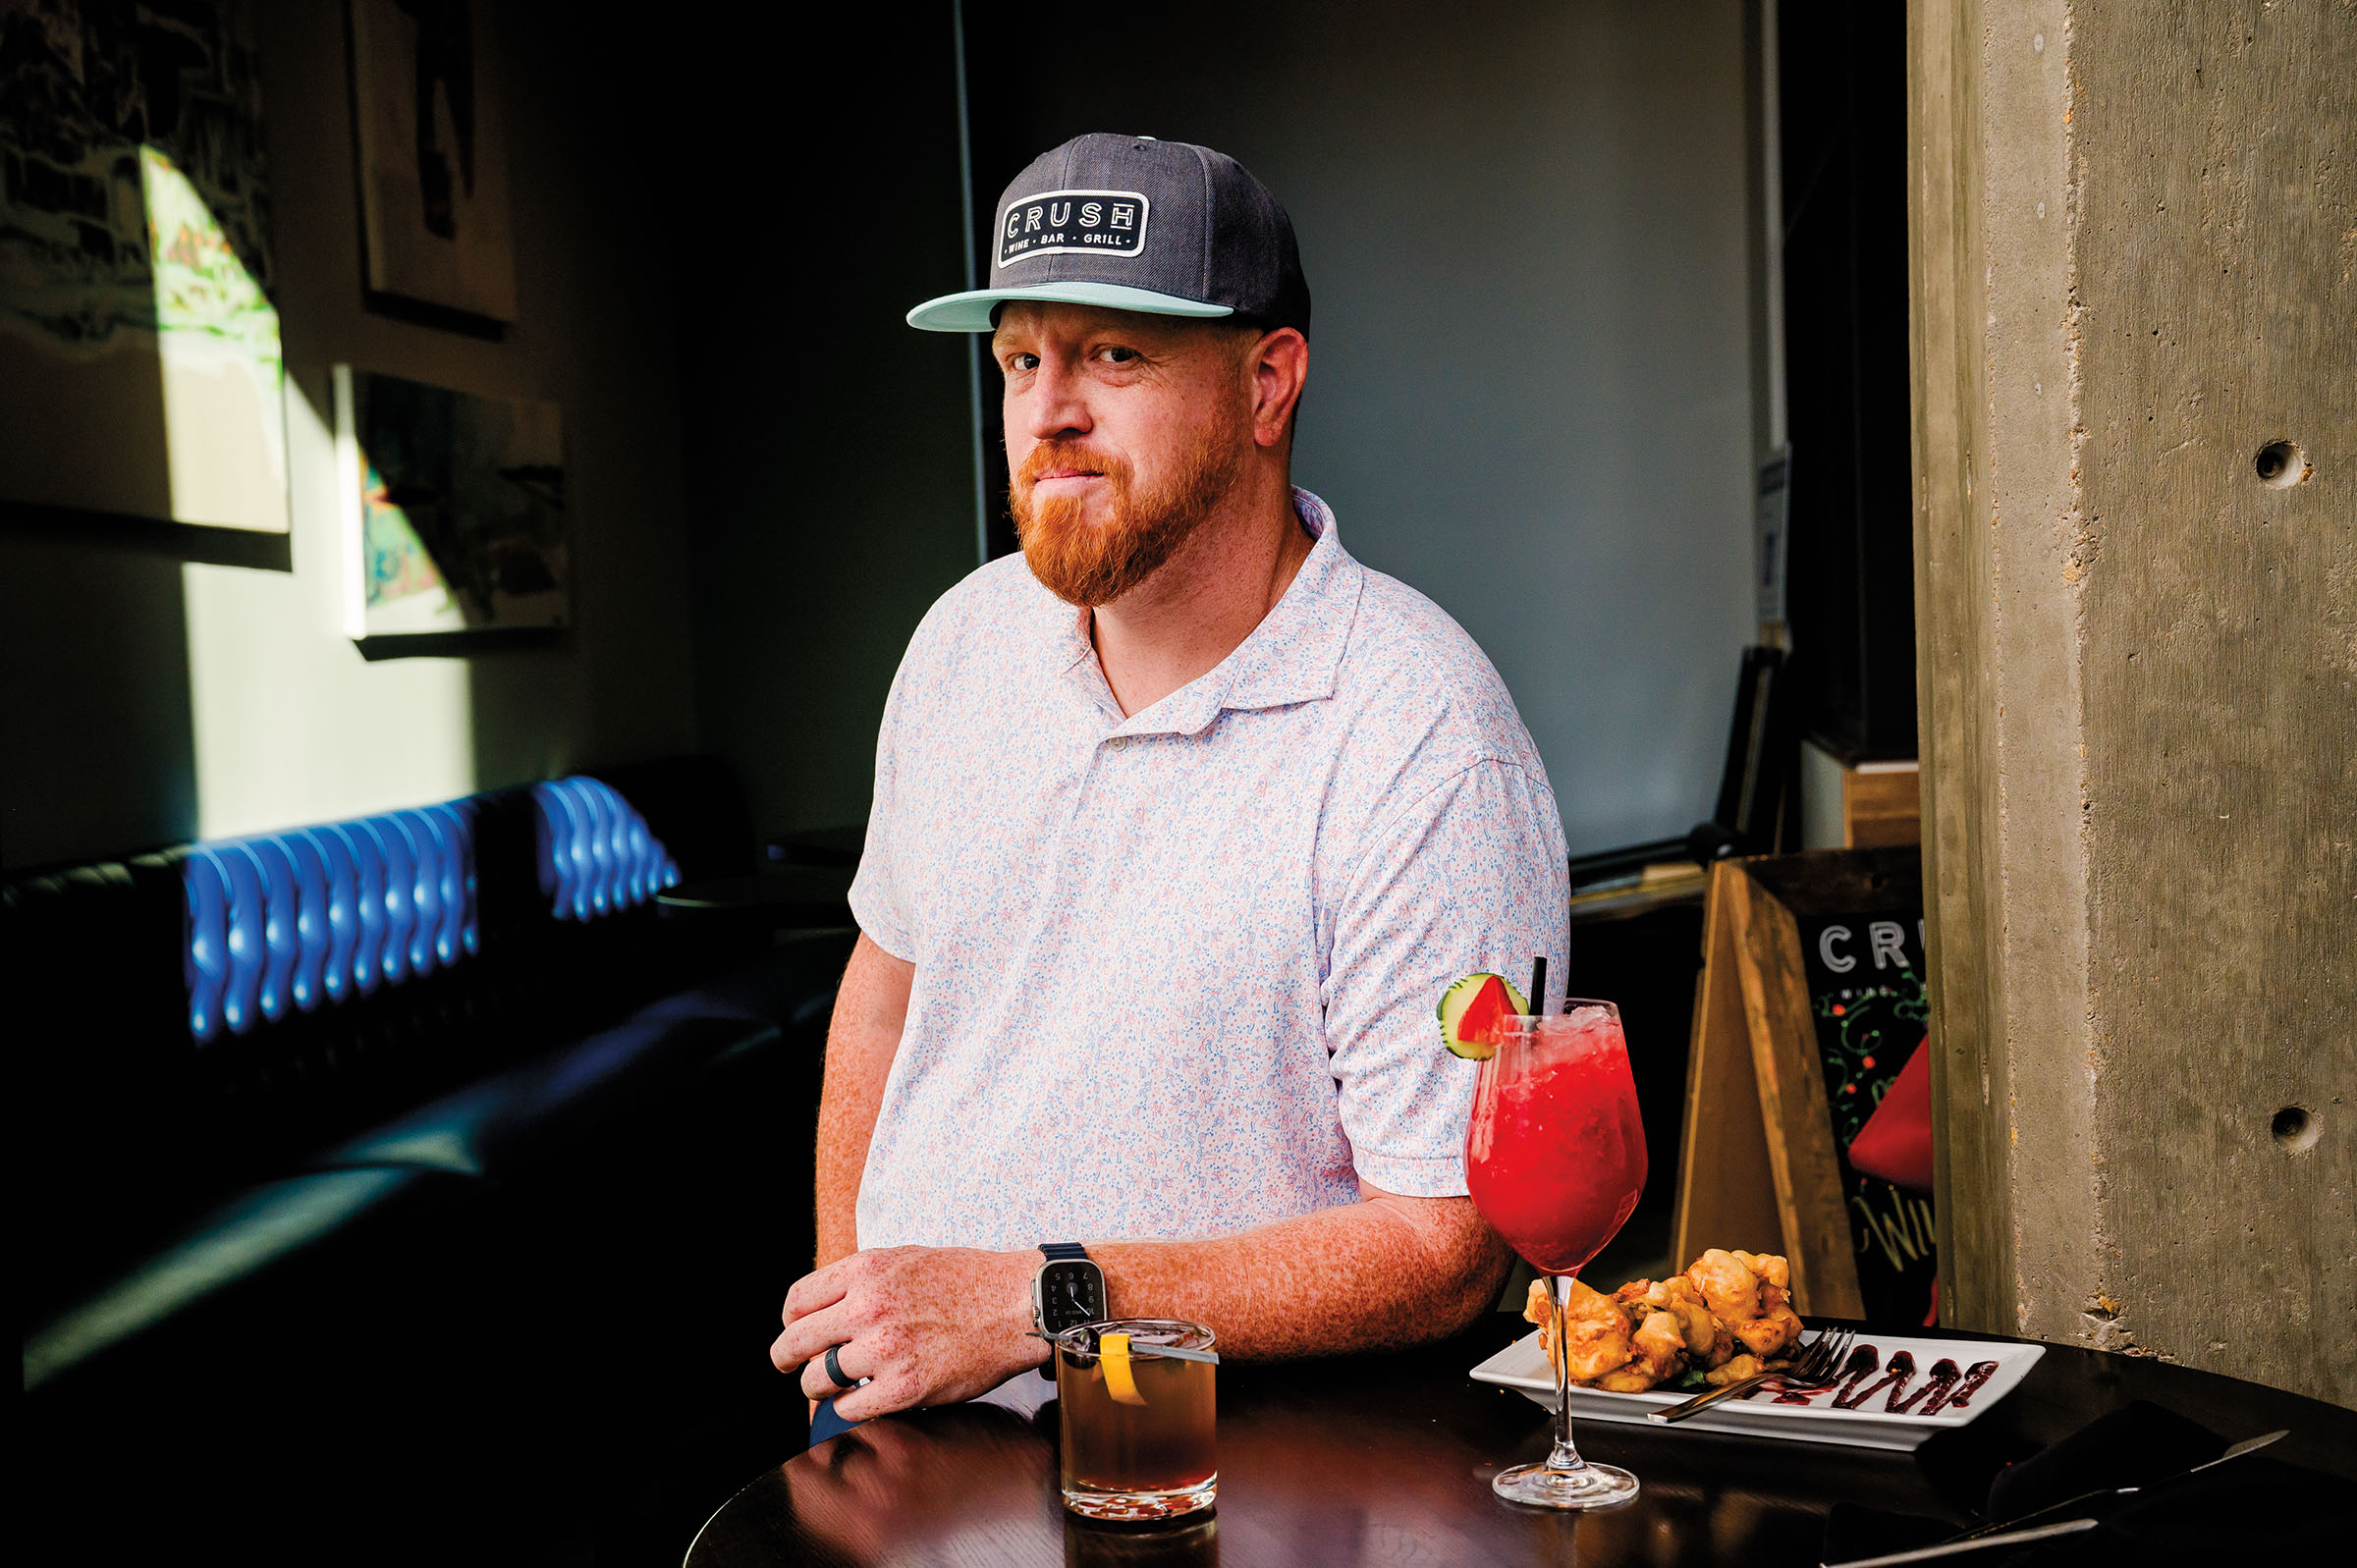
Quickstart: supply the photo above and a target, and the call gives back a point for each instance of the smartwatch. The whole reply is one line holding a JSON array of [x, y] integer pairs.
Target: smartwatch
[[1068, 1289]]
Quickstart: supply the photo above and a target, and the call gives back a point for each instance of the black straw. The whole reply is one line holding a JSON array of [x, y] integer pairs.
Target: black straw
[[1538, 985]]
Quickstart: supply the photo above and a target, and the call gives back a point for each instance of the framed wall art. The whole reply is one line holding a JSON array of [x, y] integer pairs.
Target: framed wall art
[[454, 517], [140, 370], [433, 157]]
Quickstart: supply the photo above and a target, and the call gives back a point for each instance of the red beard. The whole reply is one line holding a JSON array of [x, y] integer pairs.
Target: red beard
[[1090, 563]]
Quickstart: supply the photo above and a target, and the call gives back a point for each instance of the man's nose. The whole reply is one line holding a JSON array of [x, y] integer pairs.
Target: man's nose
[[1056, 406]]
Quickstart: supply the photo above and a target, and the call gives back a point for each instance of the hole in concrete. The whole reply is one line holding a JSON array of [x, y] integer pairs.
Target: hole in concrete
[[2295, 1129], [2282, 464]]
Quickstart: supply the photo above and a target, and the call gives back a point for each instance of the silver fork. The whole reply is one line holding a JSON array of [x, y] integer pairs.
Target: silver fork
[[1819, 1367]]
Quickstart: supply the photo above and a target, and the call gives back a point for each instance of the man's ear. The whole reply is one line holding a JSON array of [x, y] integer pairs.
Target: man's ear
[[1277, 364]]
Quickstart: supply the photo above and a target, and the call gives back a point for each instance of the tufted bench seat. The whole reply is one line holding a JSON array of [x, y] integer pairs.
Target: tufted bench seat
[[421, 1108]]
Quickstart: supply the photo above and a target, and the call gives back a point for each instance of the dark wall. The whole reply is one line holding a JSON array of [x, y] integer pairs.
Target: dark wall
[[151, 693], [829, 449], [1523, 224], [1842, 97]]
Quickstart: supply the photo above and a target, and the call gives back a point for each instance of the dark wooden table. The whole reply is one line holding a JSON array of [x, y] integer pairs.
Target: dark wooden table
[[1388, 1460]]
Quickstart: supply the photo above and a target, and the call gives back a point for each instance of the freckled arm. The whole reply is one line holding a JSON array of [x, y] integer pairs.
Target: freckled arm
[[863, 1038], [1382, 1273]]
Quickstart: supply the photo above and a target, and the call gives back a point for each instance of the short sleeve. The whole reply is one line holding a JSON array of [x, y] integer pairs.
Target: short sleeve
[[1470, 877], [879, 902]]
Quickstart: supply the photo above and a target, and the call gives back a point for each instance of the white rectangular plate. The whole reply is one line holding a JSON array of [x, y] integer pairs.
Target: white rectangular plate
[[1522, 1366]]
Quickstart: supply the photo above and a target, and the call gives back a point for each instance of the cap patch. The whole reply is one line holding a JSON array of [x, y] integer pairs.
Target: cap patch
[[1103, 223]]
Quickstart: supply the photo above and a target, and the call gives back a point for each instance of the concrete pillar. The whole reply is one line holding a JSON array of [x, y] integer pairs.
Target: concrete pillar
[[2134, 257]]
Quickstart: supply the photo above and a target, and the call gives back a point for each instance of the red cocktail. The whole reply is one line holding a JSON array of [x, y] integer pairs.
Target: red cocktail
[[1555, 1158]]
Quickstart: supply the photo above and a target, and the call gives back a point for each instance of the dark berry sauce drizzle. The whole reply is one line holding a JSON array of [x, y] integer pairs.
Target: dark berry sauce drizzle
[[1961, 1396], [1863, 1363], [1901, 1372], [1949, 1387], [1944, 1374]]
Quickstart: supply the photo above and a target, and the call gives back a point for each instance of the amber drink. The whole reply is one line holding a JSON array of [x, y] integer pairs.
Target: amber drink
[[1136, 1423]]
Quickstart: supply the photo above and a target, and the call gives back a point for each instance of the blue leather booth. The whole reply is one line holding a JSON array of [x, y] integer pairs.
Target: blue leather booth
[[379, 1174]]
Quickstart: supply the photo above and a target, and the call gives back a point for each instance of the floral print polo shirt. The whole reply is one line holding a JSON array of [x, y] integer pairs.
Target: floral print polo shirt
[[1176, 971]]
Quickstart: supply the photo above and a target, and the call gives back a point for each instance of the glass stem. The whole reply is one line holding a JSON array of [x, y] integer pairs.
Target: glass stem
[[1562, 1456]]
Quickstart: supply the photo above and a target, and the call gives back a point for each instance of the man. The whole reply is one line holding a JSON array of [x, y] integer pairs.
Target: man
[[1182, 822]]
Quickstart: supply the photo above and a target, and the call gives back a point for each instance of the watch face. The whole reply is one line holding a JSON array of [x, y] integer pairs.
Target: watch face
[[1071, 1290]]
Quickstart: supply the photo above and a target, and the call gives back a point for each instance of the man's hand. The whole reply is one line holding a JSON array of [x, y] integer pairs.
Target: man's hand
[[931, 1325], [934, 1326]]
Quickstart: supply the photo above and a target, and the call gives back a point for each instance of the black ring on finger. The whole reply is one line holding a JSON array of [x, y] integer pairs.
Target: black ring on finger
[[835, 1371]]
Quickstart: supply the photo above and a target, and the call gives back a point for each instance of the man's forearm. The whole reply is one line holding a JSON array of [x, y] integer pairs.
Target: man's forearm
[[865, 1034], [1382, 1273], [843, 1129], [931, 1325]]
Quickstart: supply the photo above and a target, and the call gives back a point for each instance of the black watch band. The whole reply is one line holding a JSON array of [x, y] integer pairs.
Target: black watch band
[[1068, 1289]]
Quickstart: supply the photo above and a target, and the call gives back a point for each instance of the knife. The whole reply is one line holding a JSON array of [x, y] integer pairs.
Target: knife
[[1964, 1543], [2248, 1445], [2011, 1532]]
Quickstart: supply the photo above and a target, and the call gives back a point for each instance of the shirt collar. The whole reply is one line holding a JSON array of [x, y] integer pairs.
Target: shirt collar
[[1290, 657]]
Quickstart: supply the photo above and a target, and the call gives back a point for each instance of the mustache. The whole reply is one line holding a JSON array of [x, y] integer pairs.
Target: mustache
[[1051, 455]]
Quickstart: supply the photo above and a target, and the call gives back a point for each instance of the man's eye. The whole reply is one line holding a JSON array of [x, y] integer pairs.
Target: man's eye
[[1116, 355], [1022, 362]]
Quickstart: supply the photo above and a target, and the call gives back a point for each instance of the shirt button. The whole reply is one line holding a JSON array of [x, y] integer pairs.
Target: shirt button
[[1121, 742]]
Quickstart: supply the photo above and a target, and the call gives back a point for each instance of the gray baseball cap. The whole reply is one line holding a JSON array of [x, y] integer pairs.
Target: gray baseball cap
[[1130, 223]]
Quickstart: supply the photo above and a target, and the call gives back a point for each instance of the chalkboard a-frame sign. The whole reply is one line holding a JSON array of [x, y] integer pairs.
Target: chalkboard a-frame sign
[[1811, 1001]]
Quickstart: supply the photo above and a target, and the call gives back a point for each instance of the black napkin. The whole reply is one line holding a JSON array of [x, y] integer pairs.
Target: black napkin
[[2252, 1503], [2132, 1446]]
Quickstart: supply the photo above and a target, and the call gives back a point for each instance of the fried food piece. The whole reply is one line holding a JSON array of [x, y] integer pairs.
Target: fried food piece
[[1747, 1294], [1729, 1288], [1670, 1321], [1660, 1345], [1706, 1340], [1605, 1352], [1776, 1325], [1598, 1330], [1730, 1313], [1774, 1330], [1743, 1366]]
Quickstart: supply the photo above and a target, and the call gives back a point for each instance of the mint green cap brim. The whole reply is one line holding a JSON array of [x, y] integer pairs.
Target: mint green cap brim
[[970, 312]]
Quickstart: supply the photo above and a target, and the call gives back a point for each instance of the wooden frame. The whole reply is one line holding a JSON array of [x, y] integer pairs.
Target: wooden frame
[[431, 142], [1758, 1168]]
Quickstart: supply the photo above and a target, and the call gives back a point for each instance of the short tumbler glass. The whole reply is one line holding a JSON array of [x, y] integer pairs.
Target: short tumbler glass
[[1136, 1429]]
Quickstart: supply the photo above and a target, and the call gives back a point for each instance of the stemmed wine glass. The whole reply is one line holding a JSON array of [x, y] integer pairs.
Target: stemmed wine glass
[[1555, 1158]]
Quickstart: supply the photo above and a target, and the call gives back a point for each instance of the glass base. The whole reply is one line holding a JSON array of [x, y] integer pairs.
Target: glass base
[[1590, 1487], [1138, 1506]]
